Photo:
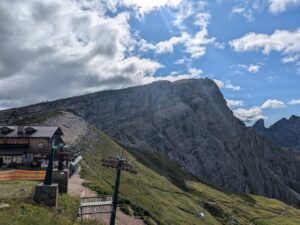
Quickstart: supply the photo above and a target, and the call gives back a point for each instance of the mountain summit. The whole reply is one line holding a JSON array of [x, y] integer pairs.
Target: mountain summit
[[189, 122], [285, 132]]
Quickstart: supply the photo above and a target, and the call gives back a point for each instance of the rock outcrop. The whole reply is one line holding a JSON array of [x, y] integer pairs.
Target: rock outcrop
[[189, 122], [285, 132]]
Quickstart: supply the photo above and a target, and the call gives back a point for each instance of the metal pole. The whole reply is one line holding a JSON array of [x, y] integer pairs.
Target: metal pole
[[116, 192], [49, 173]]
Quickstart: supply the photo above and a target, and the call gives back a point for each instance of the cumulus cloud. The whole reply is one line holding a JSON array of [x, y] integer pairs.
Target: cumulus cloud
[[273, 104], [53, 49], [277, 6], [187, 9], [256, 112], [195, 44], [180, 61], [248, 9], [238, 10], [146, 6], [250, 68], [253, 68], [195, 72], [294, 102], [166, 46], [283, 41], [234, 103], [227, 85], [249, 115], [291, 58]]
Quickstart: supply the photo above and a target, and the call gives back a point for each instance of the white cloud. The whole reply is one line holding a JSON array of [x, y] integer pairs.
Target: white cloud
[[246, 12], [238, 10], [180, 61], [68, 48], [250, 68], [187, 9], [273, 104], [294, 102], [248, 9], [202, 19], [249, 115], [168, 45], [194, 45], [281, 40], [277, 6], [195, 72], [256, 112], [227, 85], [234, 103], [291, 58], [253, 68], [144, 6]]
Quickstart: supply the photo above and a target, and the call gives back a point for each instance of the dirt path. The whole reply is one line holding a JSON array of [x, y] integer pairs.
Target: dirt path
[[76, 188]]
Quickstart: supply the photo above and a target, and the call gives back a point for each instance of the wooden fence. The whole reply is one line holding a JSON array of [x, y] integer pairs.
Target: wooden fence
[[22, 175]]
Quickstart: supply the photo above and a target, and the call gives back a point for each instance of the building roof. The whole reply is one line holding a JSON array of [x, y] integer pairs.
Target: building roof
[[29, 131]]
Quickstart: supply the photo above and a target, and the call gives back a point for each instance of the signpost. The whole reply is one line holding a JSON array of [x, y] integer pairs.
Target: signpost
[[119, 163]]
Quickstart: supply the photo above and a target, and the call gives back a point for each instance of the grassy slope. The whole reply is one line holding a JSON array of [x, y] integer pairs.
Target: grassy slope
[[170, 196], [160, 192], [23, 211]]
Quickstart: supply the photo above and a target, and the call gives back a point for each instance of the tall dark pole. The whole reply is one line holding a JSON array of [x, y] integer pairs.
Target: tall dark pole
[[49, 173], [120, 164], [116, 192]]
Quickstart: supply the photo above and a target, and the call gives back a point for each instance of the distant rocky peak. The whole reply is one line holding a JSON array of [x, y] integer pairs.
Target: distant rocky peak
[[294, 118], [259, 125], [285, 132], [280, 123]]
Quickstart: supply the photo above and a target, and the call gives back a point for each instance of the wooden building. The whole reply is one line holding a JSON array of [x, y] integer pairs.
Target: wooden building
[[27, 145]]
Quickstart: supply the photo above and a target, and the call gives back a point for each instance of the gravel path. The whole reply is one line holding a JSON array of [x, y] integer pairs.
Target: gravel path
[[76, 188]]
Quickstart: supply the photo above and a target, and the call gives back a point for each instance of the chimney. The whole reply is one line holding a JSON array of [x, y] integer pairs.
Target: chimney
[[20, 130]]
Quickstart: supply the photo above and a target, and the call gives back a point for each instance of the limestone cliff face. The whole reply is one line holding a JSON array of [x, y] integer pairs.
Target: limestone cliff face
[[285, 132], [188, 121]]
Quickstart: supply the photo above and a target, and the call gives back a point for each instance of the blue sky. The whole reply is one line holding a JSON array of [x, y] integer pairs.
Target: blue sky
[[250, 48]]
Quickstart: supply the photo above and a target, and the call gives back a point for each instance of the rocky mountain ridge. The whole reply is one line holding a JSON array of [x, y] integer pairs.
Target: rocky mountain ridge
[[285, 132], [189, 122]]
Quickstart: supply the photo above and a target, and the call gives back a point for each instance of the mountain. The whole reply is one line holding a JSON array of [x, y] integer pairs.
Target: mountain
[[189, 122], [285, 133], [161, 193]]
